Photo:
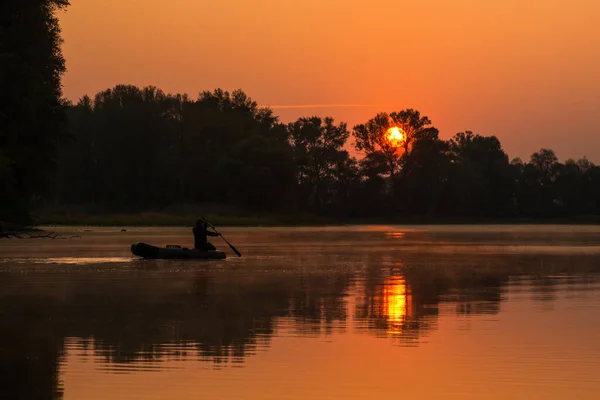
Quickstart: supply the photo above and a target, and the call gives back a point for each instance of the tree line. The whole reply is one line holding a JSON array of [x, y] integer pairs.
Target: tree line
[[135, 149]]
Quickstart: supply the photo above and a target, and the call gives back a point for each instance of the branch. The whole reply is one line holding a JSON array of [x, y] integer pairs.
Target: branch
[[28, 235], [9, 231]]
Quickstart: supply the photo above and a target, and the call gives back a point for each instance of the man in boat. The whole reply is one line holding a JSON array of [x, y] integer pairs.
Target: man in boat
[[200, 236]]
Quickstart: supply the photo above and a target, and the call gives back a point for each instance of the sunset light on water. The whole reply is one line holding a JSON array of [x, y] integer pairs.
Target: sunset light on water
[[395, 303]]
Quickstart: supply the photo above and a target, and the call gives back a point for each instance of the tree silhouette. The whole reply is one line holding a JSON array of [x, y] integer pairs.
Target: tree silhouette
[[536, 188], [483, 175], [370, 138], [32, 116], [414, 126], [426, 178], [317, 146], [140, 149]]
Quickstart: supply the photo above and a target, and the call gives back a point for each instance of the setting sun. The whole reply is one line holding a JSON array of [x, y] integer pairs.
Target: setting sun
[[395, 136]]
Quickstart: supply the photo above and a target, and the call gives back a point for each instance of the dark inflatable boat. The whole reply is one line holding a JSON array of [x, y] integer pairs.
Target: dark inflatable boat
[[173, 252]]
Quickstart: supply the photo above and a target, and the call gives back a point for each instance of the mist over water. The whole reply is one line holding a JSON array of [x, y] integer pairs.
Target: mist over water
[[320, 313]]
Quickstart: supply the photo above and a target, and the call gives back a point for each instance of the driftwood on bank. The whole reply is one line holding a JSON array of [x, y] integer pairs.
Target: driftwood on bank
[[12, 231], [27, 235]]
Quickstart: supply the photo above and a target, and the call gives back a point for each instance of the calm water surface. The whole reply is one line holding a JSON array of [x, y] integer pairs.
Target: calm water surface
[[375, 312]]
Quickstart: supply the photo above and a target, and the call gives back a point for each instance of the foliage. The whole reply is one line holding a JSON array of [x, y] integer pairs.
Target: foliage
[[482, 175], [372, 140], [323, 167], [139, 150], [32, 117], [414, 126]]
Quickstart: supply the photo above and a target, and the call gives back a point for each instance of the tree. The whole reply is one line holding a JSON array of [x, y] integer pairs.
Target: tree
[[425, 184], [545, 162], [536, 187], [483, 175], [591, 182], [574, 187], [414, 127], [317, 147], [32, 116], [372, 138], [139, 149], [125, 150], [258, 174], [384, 153], [214, 129], [238, 103], [347, 178]]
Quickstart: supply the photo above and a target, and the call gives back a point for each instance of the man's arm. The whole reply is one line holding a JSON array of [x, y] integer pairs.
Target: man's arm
[[209, 233]]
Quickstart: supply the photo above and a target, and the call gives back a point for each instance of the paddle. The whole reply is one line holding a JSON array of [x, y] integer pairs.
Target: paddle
[[215, 229]]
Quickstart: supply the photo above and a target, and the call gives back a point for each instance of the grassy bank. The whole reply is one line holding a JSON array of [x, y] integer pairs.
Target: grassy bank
[[168, 219], [220, 219]]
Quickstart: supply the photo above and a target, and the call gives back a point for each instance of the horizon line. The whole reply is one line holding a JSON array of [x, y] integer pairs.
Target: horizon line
[[292, 106]]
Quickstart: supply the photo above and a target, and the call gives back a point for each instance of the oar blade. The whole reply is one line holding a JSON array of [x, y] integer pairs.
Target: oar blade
[[235, 251]]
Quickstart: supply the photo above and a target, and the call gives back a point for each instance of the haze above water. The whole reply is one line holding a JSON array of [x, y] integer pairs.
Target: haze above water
[[370, 312]]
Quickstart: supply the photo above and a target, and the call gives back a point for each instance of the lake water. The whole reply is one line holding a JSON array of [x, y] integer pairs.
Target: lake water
[[374, 312]]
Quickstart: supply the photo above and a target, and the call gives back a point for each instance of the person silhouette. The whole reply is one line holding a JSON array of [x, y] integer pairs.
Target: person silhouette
[[201, 234]]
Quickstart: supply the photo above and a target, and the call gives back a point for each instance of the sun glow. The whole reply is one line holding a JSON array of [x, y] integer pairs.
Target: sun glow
[[395, 136]]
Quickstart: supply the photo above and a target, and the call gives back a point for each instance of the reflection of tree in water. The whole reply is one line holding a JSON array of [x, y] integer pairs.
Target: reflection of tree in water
[[31, 348], [149, 316], [319, 302], [224, 317], [139, 317], [404, 302]]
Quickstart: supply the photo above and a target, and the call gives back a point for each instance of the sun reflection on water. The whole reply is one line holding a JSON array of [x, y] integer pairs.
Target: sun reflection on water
[[396, 303]]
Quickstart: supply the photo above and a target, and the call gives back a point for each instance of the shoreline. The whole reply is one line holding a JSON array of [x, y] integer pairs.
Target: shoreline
[[152, 219]]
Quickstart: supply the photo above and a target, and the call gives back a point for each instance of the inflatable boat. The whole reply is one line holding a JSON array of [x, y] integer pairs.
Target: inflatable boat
[[177, 252]]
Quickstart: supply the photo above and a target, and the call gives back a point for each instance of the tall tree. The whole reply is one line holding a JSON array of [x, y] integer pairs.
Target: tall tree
[[570, 186], [536, 189], [425, 184], [215, 129], [372, 138], [32, 113], [318, 150], [483, 178], [414, 127], [139, 149]]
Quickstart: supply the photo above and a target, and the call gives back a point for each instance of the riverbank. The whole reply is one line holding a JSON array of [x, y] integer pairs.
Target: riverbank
[[171, 219], [185, 219]]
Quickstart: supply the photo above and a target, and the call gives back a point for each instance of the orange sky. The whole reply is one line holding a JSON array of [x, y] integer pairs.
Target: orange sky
[[524, 70]]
